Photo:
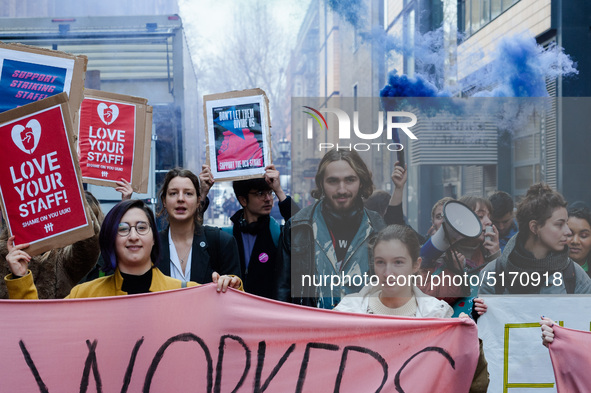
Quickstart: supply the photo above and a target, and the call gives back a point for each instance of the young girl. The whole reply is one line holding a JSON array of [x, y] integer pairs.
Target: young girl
[[394, 257]]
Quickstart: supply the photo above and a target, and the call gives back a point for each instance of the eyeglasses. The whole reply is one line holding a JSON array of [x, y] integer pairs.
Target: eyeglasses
[[262, 194], [124, 229]]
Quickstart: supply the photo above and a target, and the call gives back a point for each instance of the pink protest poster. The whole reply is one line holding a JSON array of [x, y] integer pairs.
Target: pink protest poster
[[114, 135], [238, 134], [42, 199]]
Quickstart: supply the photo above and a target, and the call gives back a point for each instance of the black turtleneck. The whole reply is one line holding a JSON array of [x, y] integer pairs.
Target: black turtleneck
[[133, 284]]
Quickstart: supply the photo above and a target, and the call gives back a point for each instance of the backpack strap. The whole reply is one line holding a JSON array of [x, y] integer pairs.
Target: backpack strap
[[275, 229], [212, 235], [569, 276], [228, 230]]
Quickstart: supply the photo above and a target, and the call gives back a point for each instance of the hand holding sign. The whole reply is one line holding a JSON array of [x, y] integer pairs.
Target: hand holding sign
[[206, 180], [18, 260], [124, 187], [272, 179]]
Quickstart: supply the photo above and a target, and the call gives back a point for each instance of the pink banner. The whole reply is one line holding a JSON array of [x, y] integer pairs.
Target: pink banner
[[199, 340], [571, 359]]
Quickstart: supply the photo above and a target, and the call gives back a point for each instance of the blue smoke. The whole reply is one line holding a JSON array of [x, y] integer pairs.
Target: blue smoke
[[521, 66], [404, 86], [351, 11]]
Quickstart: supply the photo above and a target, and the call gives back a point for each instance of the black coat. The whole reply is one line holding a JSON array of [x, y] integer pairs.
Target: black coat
[[213, 250], [260, 277]]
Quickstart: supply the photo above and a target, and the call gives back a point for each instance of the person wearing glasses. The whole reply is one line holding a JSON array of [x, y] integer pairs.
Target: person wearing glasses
[[192, 251], [255, 231], [129, 244]]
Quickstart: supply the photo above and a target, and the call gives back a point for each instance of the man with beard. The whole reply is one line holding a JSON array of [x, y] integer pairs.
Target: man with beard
[[329, 240]]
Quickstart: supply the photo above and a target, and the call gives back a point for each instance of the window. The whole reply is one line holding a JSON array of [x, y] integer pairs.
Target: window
[[475, 14]]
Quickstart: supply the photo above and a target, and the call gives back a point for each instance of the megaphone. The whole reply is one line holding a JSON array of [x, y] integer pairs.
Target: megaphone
[[459, 222]]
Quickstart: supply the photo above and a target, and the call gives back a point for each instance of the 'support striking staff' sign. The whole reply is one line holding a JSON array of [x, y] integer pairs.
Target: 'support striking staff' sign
[[114, 138], [29, 74], [228, 342], [237, 128], [41, 192]]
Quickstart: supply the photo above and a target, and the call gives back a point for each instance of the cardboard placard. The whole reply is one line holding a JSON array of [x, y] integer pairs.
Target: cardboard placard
[[237, 130], [114, 137], [29, 74], [40, 188]]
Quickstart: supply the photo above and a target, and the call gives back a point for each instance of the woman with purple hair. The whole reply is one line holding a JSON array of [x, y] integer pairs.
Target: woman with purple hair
[[129, 244]]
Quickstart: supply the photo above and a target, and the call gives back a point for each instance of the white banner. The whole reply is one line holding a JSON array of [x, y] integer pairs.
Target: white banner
[[517, 360]]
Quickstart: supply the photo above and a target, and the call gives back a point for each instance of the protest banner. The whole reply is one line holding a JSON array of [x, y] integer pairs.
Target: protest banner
[[237, 130], [228, 342], [510, 331], [29, 74], [570, 359], [42, 195], [114, 137]]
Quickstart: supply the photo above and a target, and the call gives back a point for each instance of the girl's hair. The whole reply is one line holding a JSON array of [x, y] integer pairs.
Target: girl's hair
[[440, 202], [539, 203], [472, 201], [580, 212], [352, 158], [405, 234], [108, 234], [180, 172]]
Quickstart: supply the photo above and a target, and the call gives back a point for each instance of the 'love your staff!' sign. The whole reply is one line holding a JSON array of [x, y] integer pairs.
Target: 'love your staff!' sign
[[114, 137], [41, 192]]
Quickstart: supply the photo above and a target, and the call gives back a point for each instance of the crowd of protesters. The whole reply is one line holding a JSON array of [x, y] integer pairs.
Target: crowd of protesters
[[351, 229]]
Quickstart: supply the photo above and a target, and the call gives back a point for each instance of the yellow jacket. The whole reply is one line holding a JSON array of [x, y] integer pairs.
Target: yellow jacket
[[24, 287]]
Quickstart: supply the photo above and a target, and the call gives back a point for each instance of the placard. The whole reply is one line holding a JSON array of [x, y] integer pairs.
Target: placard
[[237, 130], [40, 187], [114, 137], [29, 74]]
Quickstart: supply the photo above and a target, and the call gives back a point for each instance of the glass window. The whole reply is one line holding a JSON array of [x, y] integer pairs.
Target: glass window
[[495, 8], [485, 12], [527, 148], [409, 40], [527, 175], [475, 14], [508, 3], [465, 15]]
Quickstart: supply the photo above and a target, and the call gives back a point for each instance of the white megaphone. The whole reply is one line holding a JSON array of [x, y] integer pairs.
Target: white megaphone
[[459, 221]]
